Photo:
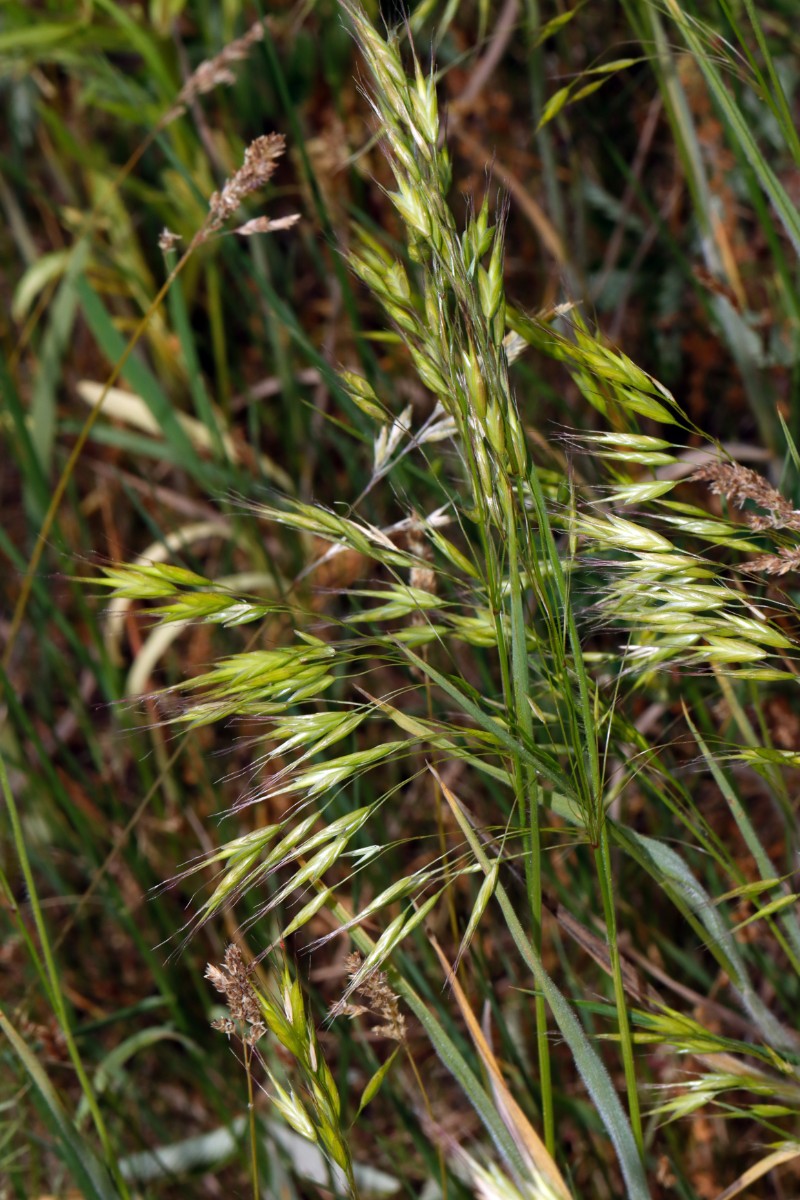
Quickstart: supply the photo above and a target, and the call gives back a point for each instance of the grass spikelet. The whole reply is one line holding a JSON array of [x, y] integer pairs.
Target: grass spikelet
[[741, 484], [260, 163]]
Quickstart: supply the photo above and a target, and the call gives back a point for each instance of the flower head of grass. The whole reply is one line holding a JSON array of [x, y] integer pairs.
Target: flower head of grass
[[233, 980], [217, 71], [741, 484], [260, 162], [380, 1001]]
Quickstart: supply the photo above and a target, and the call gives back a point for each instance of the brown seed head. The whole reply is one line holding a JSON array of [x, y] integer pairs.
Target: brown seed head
[[380, 1001], [215, 72], [233, 980], [740, 484], [260, 161]]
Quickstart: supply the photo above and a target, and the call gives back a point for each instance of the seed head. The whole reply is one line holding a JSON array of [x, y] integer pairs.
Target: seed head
[[380, 1001], [740, 484], [215, 72], [785, 560], [233, 980], [260, 160]]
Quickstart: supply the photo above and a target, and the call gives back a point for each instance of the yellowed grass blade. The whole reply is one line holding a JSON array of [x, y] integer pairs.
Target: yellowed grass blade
[[776, 1159], [132, 410], [525, 1136]]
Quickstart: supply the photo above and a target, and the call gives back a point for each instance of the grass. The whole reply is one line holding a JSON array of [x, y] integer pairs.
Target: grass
[[400, 662]]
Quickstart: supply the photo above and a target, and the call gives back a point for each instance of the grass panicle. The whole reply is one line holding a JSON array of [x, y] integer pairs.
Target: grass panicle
[[446, 643]]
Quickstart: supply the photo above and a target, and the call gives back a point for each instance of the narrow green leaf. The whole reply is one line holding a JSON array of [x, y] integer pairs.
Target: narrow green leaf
[[675, 877], [374, 1084], [144, 384], [88, 1172], [57, 337], [593, 1072], [741, 128]]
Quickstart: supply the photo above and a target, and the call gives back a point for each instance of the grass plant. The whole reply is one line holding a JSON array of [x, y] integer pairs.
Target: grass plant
[[428, 723]]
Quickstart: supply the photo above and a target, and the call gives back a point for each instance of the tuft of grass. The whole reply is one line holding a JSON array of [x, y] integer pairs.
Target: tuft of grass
[[506, 711]]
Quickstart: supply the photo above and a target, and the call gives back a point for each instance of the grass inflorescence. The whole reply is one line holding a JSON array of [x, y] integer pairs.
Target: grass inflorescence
[[414, 811]]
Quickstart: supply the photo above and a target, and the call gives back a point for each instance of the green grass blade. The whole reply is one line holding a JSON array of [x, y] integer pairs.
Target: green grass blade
[[87, 1170], [676, 878], [56, 339], [739, 126], [588, 1062]]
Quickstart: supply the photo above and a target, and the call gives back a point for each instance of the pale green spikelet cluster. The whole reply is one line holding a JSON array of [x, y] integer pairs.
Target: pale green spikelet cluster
[[674, 606], [455, 326], [678, 607], [730, 1084], [316, 1112], [189, 596], [611, 382]]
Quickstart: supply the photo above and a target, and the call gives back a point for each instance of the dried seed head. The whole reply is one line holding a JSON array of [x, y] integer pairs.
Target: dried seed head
[[215, 72], [267, 225], [217, 977], [786, 559], [740, 484], [233, 980], [255, 1033], [224, 1025], [260, 161], [381, 1001], [167, 240]]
